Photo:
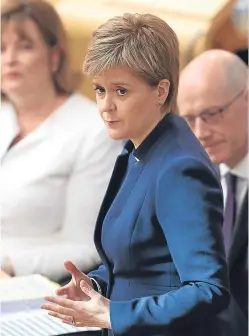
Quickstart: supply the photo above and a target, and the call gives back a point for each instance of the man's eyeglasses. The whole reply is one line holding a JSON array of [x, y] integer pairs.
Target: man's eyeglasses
[[212, 115]]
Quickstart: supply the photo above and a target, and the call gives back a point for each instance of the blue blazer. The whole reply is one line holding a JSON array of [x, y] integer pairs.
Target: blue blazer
[[159, 236]]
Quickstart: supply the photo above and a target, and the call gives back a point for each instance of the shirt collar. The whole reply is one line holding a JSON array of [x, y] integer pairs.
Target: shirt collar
[[154, 135], [240, 170]]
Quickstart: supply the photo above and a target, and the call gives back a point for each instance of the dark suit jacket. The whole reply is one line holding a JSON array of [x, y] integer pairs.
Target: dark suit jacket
[[236, 316], [159, 236]]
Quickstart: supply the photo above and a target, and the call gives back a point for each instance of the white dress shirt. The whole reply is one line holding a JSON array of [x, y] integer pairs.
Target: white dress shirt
[[52, 183], [241, 172]]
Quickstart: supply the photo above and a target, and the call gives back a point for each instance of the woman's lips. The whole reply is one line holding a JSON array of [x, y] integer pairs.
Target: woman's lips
[[12, 75], [111, 122]]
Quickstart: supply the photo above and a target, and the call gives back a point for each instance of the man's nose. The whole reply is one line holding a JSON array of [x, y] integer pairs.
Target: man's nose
[[201, 129]]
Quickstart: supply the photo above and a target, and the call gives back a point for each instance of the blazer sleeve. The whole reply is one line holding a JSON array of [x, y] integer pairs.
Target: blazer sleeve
[[189, 208], [101, 276]]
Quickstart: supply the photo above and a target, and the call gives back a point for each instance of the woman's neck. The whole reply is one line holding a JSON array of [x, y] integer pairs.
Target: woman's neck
[[32, 109], [34, 105]]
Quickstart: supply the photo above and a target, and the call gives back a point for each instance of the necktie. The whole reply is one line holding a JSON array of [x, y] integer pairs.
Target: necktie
[[230, 210]]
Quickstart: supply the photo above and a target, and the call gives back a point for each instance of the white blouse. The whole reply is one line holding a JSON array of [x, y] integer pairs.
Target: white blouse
[[52, 184]]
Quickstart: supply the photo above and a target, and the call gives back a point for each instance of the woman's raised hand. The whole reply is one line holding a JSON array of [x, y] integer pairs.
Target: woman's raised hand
[[73, 290]]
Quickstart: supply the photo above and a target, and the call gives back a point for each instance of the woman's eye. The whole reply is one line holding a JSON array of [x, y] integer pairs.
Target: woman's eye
[[26, 46], [121, 91], [99, 90]]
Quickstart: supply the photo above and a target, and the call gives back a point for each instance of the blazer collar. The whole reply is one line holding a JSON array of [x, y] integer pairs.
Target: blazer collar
[[144, 148], [240, 170]]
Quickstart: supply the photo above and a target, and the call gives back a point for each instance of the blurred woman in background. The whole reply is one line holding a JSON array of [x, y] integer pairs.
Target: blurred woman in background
[[56, 157]]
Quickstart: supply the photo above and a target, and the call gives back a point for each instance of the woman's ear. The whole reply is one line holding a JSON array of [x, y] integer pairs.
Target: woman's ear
[[162, 91], [55, 59], [245, 95]]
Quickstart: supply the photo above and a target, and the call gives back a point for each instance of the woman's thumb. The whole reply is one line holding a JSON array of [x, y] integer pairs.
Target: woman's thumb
[[71, 268], [88, 290]]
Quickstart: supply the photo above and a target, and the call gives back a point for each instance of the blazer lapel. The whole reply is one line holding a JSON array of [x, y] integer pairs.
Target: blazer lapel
[[125, 190], [240, 232], [112, 190], [113, 187], [117, 194]]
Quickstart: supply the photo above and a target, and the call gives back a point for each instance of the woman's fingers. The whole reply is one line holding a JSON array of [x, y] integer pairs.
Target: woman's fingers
[[58, 310], [71, 268], [76, 273], [66, 318], [63, 290], [61, 302], [78, 324]]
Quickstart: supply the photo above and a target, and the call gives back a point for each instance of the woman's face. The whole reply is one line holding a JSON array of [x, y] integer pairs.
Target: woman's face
[[26, 59], [127, 104]]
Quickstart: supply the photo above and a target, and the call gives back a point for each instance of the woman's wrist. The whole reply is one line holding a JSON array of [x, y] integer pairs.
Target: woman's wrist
[[107, 315], [96, 286]]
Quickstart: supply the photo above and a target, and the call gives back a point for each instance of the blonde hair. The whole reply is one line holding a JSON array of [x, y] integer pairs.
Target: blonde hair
[[52, 31], [144, 43]]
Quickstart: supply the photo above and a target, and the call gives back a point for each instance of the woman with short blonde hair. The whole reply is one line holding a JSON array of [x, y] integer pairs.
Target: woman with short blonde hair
[[158, 231], [142, 43]]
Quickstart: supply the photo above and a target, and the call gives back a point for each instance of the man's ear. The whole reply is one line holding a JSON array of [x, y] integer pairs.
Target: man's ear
[[163, 91]]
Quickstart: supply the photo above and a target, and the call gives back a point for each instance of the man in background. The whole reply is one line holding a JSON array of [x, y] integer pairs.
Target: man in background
[[213, 99]]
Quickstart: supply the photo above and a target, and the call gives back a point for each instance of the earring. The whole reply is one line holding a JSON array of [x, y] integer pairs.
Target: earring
[[160, 103]]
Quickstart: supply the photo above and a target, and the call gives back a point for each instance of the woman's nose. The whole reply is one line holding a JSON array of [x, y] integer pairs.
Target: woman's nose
[[9, 56], [107, 105]]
